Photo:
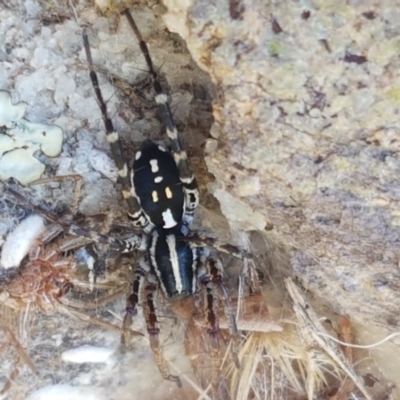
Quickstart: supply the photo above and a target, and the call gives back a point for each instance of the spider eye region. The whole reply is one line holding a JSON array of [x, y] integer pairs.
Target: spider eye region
[[158, 187]]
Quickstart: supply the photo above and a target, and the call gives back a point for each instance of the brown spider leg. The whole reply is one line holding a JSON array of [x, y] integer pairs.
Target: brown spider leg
[[211, 277], [200, 240], [213, 333], [77, 191], [153, 330], [250, 277], [69, 310], [249, 273], [22, 355], [10, 379], [97, 252], [140, 274], [143, 276], [215, 269]]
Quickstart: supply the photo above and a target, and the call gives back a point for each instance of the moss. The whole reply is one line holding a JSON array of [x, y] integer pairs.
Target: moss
[[275, 48], [393, 94]]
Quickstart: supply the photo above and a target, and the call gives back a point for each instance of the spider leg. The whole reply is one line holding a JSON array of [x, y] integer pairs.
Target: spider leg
[[71, 311], [134, 242], [215, 269], [185, 173], [153, 330], [145, 282], [210, 275], [250, 277], [248, 274], [77, 191], [134, 211], [201, 240], [21, 356], [140, 275], [211, 306]]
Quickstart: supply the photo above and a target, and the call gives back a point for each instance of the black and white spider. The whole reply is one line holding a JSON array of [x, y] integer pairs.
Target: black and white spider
[[162, 195]]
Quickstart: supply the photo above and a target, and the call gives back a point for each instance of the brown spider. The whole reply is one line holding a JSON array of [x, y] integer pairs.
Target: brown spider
[[38, 273]]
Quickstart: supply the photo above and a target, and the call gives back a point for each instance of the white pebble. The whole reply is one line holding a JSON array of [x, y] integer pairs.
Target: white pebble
[[20, 240], [67, 392], [87, 354]]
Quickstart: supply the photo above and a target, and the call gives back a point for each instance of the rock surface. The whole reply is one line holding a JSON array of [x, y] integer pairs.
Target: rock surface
[[307, 121]]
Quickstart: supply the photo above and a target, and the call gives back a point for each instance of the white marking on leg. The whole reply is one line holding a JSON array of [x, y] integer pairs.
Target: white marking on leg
[[168, 218], [187, 181], [154, 166], [139, 219], [178, 157], [168, 193], [123, 173], [173, 257], [191, 194], [154, 196], [161, 98], [158, 179], [172, 134], [126, 194], [138, 155], [112, 137], [137, 215]]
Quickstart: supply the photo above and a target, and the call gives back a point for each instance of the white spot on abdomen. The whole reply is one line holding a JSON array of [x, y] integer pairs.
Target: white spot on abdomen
[[158, 179], [154, 196], [154, 166], [168, 192], [168, 218]]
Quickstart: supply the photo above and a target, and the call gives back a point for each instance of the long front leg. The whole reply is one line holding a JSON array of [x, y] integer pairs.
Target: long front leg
[[185, 173], [135, 213]]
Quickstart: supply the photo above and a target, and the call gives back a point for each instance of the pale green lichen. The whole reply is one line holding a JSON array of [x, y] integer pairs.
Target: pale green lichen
[[393, 94], [20, 139]]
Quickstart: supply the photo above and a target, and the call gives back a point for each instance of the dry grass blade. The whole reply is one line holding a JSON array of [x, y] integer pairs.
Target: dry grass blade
[[310, 329]]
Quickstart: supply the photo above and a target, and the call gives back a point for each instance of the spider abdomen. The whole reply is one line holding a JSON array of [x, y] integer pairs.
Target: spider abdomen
[[174, 262], [157, 186]]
